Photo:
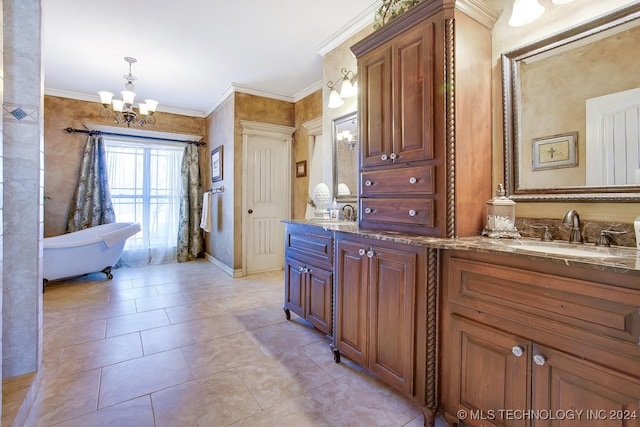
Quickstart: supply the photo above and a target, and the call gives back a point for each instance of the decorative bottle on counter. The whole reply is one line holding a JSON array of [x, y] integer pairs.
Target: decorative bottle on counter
[[501, 216]]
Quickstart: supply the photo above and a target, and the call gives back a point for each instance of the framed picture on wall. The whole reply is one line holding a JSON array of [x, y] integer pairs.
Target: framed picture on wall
[[216, 164], [301, 169], [557, 151]]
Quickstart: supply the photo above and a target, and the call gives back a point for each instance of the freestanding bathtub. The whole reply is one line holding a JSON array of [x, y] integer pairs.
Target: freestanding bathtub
[[86, 251]]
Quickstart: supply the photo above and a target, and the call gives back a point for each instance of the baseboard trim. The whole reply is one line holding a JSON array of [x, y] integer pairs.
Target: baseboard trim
[[224, 267]]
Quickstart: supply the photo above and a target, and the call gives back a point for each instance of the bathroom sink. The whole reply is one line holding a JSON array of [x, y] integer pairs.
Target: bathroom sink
[[560, 249]]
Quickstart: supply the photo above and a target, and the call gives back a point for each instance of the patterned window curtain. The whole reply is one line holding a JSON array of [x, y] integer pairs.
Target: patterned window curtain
[[190, 239], [91, 203]]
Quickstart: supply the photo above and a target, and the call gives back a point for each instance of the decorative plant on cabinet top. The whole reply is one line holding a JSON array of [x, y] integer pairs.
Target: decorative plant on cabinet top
[[390, 9]]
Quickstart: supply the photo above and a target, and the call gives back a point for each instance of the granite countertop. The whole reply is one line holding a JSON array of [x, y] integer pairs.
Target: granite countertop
[[616, 258]]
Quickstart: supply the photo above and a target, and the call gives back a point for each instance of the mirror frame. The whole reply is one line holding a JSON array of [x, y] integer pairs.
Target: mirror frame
[[334, 140], [511, 115]]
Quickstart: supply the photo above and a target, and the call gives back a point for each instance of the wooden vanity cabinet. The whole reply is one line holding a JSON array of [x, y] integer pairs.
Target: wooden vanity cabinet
[[379, 294], [425, 120], [518, 334], [308, 275]]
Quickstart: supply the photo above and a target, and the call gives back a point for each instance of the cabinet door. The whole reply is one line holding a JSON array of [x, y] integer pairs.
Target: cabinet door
[[391, 302], [294, 286], [374, 72], [486, 375], [351, 300], [413, 77], [564, 382], [318, 290]]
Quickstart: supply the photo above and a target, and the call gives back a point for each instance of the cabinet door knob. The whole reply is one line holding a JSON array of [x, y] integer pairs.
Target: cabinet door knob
[[361, 251], [384, 157], [393, 156], [301, 269], [540, 359], [370, 253], [368, 183], [368, 210], [517, 350], [413, 180], [412, 212]]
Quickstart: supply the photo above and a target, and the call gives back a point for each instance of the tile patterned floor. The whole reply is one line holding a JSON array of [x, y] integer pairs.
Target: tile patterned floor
[[186, 345]]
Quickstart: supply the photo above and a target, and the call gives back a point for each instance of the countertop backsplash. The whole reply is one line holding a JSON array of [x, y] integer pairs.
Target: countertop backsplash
[[590, 230]]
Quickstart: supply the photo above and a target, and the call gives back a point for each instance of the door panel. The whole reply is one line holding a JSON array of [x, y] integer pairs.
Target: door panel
[[393, 279], [486, 375], [319, 288], [294, 289], [566, 383], [266, 204], [351, 301]]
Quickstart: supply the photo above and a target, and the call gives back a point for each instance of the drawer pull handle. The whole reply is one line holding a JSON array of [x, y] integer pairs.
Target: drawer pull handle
[[413, 180], [370, 253], [368, 183], [384, 157], [361, 251], [393, 156], [540, 359], [517, 350], [413, 212], [368, 210]]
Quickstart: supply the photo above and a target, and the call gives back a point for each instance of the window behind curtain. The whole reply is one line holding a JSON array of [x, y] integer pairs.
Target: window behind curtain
[[145, 186]]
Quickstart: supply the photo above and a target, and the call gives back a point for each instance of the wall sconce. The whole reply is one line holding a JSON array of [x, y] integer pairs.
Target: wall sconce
[[348, 88], [526, 11]]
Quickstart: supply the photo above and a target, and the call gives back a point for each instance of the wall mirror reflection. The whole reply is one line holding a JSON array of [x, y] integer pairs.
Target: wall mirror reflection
[[345, 157], [572, 113]]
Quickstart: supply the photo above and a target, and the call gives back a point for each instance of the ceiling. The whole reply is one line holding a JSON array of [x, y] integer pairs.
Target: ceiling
[[190, 52]]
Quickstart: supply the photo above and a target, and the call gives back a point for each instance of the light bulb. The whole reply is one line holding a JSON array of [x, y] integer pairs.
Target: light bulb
[[525, 12]]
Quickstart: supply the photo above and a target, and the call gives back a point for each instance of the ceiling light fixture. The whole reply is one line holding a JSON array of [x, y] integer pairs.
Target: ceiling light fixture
[[348, 88], [123, 111]]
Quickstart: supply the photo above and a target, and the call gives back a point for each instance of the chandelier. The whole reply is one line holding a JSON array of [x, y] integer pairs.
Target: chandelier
[[122, 109]]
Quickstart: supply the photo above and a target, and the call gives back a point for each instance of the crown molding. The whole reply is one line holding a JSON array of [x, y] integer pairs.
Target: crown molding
[[96, 99], [364, 19]]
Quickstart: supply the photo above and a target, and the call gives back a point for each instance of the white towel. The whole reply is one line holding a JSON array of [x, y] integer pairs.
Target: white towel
[[205, 221]]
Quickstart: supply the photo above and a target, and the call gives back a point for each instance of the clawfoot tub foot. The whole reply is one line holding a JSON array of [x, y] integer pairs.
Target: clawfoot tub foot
[[44, 283], [287, 313], [107, 271]]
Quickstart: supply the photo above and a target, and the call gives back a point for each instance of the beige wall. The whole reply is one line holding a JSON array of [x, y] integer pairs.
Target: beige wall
[[308, 108], [63, 151], [332, 62], [505, 38], [220, 132]]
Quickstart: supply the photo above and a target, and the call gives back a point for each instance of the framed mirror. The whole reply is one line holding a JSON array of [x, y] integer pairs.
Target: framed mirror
[[572, 113], [345, 158]]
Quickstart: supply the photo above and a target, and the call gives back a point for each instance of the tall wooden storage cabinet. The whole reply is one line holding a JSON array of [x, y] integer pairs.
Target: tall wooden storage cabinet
[[425, 120]]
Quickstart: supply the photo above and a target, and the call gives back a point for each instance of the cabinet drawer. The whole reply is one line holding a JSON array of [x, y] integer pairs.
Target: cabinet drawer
[[399, 211], [316, 248], [413, 180], [545, 300]]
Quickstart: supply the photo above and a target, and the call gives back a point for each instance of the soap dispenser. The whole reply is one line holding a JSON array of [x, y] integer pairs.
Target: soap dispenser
[[501, 216]]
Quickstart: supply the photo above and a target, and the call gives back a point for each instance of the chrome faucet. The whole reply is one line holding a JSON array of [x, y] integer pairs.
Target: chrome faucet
[[572, 219]]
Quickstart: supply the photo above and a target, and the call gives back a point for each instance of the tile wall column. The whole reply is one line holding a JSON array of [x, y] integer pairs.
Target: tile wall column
[[23, 183]]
